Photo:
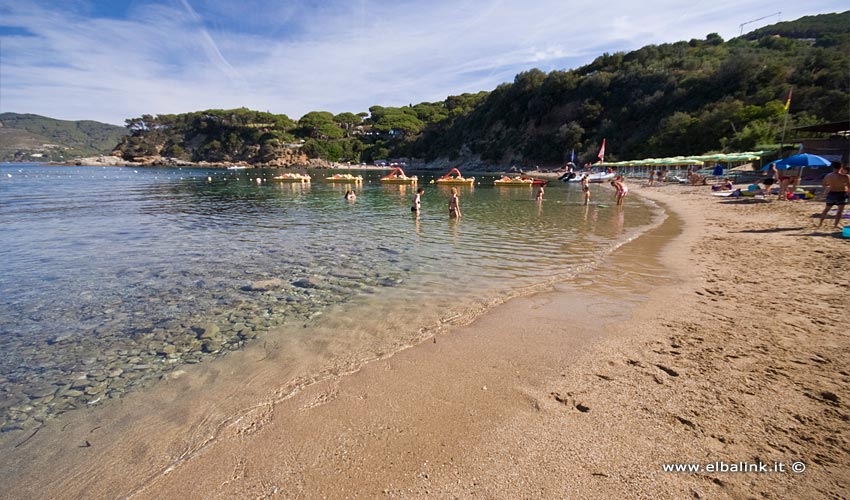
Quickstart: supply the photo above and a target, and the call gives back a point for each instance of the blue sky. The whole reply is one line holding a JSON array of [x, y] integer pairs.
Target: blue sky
[[111, 60]]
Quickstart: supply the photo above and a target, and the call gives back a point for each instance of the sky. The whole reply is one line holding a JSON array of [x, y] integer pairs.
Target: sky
[[110, 60]]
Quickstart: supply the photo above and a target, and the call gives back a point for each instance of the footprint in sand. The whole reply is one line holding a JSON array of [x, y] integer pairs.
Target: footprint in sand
[[668, 371]]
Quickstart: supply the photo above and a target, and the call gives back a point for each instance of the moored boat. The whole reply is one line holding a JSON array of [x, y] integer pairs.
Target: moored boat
[[458, 180], [397, 177], [519, 181], [344, 178], [591, 177], [293, 177]]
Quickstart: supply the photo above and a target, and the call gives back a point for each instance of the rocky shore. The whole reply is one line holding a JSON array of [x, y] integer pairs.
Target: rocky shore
[[439, 165], [162, 161], [127, 349]]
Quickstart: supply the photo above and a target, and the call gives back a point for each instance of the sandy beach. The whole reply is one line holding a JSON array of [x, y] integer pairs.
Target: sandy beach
[[721, 336]]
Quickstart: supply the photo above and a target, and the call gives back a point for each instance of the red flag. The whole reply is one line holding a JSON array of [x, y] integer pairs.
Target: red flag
[[601, 154]]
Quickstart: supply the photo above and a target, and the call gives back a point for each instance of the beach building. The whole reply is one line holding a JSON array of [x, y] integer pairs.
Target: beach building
[[836, 147]]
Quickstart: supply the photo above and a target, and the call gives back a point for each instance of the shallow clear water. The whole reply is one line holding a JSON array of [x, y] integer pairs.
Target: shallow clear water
[[111, 276]]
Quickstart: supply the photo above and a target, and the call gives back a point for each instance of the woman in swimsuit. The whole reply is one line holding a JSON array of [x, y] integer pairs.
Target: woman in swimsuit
[[454, 205], [622, 191], [585, 186], [784, 182], [417, 202], [772, 176]]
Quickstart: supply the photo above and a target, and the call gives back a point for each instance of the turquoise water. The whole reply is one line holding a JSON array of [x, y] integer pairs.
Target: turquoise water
[[110, 277]]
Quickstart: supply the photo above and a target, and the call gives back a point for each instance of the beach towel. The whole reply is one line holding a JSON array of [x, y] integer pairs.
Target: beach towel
[[727, 194]]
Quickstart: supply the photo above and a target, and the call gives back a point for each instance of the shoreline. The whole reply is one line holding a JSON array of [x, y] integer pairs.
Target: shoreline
[[535, 399]]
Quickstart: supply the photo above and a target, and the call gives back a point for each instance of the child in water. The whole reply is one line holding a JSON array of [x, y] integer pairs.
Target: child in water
[[454, 205], [350, 195], [540, 194]]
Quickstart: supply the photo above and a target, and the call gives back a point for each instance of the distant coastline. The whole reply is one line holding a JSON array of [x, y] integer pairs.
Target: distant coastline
[[160, 161]]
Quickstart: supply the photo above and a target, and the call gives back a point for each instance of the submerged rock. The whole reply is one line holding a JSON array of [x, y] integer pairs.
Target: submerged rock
[[206, 330], [166, 349], [211, 346], [308, 282], [263, 285], [60, 338]]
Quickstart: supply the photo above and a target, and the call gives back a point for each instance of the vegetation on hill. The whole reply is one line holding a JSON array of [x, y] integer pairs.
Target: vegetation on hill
[[34, 137], [671, 99]]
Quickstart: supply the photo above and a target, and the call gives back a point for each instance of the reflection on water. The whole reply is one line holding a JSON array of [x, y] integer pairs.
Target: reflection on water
[[111, 276]]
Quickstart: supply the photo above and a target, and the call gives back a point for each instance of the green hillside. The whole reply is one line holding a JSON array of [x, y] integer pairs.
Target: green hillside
[[25, 137], [682, 98], [661, 100]]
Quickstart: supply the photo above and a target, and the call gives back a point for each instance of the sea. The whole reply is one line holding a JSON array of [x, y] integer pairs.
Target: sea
[[113, 277]]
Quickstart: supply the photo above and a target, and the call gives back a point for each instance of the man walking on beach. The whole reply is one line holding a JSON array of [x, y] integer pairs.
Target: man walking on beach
[[836, 187]]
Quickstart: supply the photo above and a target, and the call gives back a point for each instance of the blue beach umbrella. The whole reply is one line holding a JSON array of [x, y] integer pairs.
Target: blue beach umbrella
[[802, 160]]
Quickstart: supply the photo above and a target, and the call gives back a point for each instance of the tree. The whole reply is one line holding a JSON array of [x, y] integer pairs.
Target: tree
[[320, 124], [347, 121], [395, 119]]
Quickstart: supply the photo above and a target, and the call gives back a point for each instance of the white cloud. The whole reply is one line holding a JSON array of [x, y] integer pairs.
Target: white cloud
[[188, 55]]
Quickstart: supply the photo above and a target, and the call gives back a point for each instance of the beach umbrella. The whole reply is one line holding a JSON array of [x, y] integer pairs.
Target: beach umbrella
[[802, 160]]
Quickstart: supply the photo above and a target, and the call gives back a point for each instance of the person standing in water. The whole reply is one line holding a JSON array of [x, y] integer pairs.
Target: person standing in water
[[454, 205], [417, 201], [540, 194], [585, 186], [622, 190]]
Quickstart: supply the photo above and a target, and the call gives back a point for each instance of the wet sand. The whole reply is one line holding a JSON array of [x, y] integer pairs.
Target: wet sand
[[720, 336]]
